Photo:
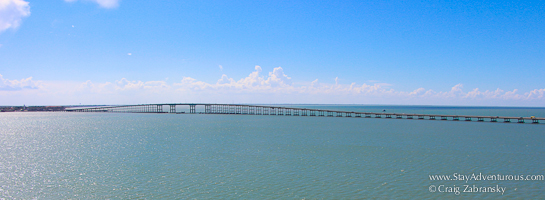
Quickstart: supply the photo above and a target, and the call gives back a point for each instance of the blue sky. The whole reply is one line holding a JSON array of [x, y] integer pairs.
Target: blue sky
[[365, 52]]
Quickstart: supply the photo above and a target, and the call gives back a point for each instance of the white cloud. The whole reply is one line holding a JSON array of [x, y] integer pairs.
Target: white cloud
[[102, 3], [12, 12], [314, 83], [417, 91], [257, 87], [221, 68], [278, 78], [13, 85], [474, 94], [122, 85], [108, 3], [129, 54], [535, 94], [252, 83]]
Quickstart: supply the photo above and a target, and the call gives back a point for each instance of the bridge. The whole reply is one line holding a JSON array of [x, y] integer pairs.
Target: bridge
[[239, 109]]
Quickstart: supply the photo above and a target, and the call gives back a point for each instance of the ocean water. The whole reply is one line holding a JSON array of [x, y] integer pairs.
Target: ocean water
[[199, 156]]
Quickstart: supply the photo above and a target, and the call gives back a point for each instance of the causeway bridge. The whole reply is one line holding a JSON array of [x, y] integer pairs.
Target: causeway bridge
[[240, 109]]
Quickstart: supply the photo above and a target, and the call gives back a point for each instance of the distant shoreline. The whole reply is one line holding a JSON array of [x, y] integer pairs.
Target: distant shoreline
[[32, 108]]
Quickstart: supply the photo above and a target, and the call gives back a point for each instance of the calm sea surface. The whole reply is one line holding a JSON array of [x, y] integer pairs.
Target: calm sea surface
[[181, 156]]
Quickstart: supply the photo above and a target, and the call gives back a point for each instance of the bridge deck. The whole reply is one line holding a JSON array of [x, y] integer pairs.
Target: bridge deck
[[290, 111]]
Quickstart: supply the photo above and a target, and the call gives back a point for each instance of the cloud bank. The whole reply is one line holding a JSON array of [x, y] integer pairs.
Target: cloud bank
[[14, 85], [103, 3], [12, 13], [257, 87]]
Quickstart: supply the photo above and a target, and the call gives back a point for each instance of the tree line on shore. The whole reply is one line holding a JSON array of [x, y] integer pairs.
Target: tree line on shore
[[30, 108]]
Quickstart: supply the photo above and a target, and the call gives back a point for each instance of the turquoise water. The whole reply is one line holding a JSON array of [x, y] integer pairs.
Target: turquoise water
[[168, 156]]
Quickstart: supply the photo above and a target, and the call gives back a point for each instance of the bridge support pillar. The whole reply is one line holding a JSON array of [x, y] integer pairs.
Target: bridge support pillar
[[232, 109], [192, 109], [272, 111]]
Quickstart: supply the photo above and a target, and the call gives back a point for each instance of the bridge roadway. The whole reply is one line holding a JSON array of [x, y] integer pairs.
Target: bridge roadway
[[278, 110]]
